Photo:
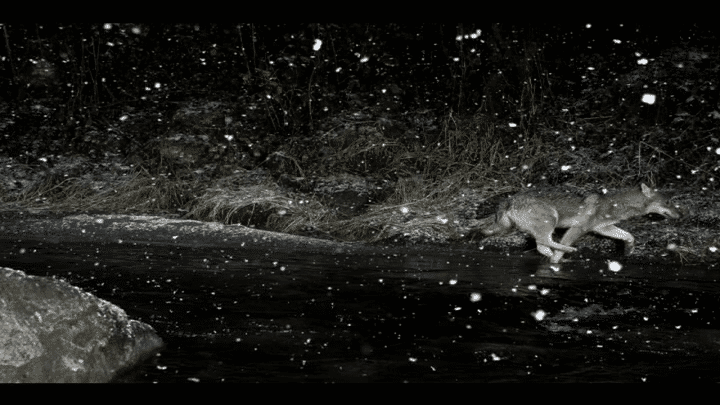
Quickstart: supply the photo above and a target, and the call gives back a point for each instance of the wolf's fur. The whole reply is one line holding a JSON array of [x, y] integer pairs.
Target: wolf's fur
[[539, 213]]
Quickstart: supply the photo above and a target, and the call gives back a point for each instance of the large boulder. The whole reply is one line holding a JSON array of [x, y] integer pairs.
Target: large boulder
[[51, 331]]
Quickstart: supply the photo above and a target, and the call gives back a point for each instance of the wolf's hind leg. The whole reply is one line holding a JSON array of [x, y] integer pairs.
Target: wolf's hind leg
[[547, 241], [571, 235], [544, 250]]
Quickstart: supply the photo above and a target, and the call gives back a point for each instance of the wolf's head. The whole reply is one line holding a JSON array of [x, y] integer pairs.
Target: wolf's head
[[659, 204]]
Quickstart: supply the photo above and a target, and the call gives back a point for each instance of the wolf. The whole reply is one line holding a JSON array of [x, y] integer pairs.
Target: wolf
[[539, 213]]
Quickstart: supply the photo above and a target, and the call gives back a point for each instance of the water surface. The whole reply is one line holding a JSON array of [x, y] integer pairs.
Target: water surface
[[418, 314]]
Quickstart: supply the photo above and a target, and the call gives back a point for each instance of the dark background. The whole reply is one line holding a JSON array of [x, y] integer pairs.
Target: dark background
[[562, 102]]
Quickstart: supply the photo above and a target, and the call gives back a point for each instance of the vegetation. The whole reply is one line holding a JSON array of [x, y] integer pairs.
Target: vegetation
[[359, 131]]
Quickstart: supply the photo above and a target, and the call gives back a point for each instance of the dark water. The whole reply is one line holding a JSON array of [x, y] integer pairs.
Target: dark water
[[396, 315]]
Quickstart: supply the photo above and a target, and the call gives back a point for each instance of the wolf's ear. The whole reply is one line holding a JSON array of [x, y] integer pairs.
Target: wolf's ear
[[646, 190]]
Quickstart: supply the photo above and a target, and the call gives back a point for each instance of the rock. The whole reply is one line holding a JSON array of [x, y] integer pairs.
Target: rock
[[51, 331]]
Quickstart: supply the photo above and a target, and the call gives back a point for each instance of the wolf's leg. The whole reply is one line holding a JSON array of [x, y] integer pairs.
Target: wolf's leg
[[612, 231], [544, 250], [571, 235], [539, 220], [546, 240], [555, 258], [541, 229]]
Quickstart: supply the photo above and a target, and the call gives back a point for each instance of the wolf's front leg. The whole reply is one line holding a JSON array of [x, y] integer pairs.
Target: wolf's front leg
[[614, 232]]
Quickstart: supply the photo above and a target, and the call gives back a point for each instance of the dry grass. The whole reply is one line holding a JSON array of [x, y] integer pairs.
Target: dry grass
[[417, 210], [262, 205], [139, 193]]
